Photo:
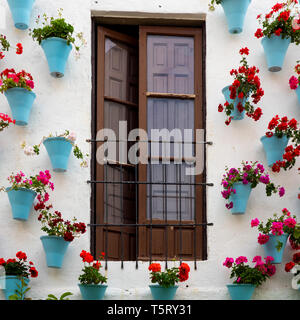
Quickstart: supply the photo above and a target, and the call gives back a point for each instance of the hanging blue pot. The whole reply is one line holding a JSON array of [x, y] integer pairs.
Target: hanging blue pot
[[57, 51], [274, 148], [21, 202], [161, 293], [275, 50], [92, 291], [241, 291], [20, 101], [235, 12], [270, 247], [55, 248], [298, 93], [59, 150], [240, 198], [21, 12], [13, 283], [235, 113]]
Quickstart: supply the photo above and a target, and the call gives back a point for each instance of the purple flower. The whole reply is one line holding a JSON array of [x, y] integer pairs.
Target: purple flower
[[265, 179], [281, 192]]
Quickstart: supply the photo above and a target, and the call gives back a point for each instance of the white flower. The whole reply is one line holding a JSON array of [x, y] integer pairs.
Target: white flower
[[72, 136], [29, 151], [84, 164]]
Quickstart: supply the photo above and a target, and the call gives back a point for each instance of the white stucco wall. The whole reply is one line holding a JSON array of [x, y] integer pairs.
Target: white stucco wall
[[66, 104]]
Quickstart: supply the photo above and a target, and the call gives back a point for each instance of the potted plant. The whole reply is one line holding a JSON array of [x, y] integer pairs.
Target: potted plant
[[17, 88], [21, 12], [238, 182], [5, 46], [166, 281], [295, 81], [5, 121], [275, 142], [91, 282], [24, 190], [278, 32], [16, 271], [294, 268], [235, 12], [248, 278], [59, 148], [60, 233], [246, 84], [274, 234], [56, 38]]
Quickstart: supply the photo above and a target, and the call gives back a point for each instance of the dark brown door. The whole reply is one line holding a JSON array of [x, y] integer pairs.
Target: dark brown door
[[170, 97], [116, 101]]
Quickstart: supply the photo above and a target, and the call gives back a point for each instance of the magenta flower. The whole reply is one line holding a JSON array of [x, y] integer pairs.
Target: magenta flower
[[228, 262], [290, 222], [263, 238], [241, 259], [269, 259], [294, 83], [277, 228], [281, 191], [254, 222]]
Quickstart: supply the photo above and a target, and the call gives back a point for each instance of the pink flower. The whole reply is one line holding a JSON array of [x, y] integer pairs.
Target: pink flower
[[241, 259], [228, 262], [257, 259], [271, 270], [30, 84], [296, 23], [269, 259], [294, 82], [254, 222], [290, 222], [263, 238], [277, 228]]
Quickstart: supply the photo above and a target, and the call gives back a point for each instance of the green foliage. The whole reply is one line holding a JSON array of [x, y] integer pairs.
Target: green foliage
[[59, 28], [167, 278], [21, 291], [91, 275], [17, 268], [248, 275], [4, 43], [62, 297], [212, 3]]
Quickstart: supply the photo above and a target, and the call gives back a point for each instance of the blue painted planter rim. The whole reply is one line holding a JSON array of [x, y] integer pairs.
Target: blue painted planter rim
[[12, 277], [57, 138], [55, 39], [52, 237], [241, 285], [225, 89], [265, 137], [20, 189], [20, 89], [93, 285], [158, 286], [273, 37]]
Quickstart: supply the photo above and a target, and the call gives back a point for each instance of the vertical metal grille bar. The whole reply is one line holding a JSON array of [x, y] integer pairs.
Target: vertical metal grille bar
[[136, 218], [165, 177], [150, 204], [180, 216], [106, 215], [123, 220]]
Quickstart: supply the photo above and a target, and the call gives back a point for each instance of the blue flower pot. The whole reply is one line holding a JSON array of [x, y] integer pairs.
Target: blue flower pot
[[13, 283], [274, 148], [57, 52], [21, 202], [235, 12], [275, 50], [270, 247], [241, 291], [235, 113], [59, 150], [240, 198], [55, 248], [21, 12], [92, 291], [161, 293], [20, 101], [298, 93]]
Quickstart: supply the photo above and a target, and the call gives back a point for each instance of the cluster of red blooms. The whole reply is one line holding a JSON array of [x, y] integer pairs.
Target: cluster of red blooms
[[280, 22], [54, 224], [287, 127], [246, 84], [5, 120], [9, 78], [14, 265], [183, 270], [88, 258], [296, 260]]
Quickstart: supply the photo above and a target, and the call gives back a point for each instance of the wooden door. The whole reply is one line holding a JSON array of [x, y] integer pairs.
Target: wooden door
[[170, 65], [116, 101]]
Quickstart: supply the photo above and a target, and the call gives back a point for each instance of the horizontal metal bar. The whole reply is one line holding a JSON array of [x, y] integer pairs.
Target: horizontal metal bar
[[152, 225], [170, 95], [149, 141], [151, 183]]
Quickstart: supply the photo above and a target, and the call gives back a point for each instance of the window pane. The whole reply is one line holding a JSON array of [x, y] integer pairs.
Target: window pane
[[170, 64]]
